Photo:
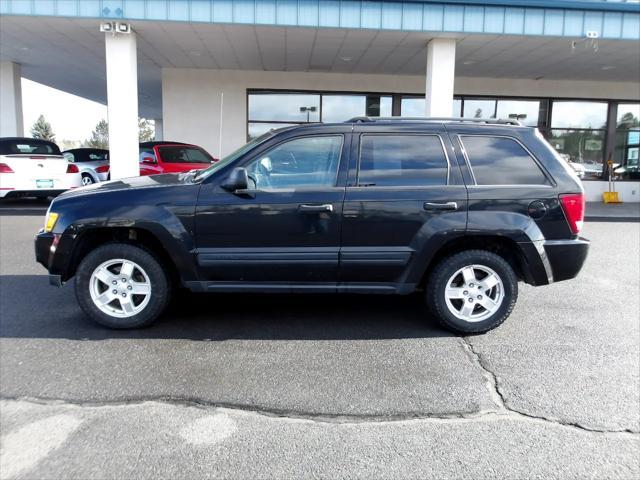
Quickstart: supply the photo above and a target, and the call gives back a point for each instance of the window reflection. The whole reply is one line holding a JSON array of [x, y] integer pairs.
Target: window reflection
[[579, 115], [479, 109], [501, 161], [257, 129], [402, 160], [338, 108], [582, 147], [627, 145], [284, 107], [525, 111], [412, 107]]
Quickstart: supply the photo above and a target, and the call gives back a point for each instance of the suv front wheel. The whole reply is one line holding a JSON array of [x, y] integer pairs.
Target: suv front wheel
[[122, 286], [472, 291]]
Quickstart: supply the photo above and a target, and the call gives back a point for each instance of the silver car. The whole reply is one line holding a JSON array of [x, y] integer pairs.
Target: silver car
[[93, 163]]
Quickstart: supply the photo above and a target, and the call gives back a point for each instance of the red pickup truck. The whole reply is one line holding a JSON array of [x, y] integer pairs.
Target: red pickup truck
[[172, 157]]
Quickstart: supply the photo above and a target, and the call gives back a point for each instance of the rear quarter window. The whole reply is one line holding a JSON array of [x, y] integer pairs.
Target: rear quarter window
[[501, 161]]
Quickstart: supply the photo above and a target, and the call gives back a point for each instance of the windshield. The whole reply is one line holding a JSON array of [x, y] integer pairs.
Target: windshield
[[180, 154], [202, 174]]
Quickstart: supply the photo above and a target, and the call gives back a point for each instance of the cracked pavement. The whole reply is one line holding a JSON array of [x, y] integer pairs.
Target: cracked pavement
[[321, 386]]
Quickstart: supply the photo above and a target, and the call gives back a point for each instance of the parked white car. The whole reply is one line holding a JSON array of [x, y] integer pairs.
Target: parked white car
[[93, 163], [34, 168]]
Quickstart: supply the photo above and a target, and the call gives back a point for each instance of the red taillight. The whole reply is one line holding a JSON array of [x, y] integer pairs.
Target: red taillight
[[573, 208], [4, 168], [102, 169], [71, 168]]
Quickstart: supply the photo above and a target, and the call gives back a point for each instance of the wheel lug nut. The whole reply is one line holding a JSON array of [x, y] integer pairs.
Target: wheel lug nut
[[115, 291], [471, 285], [479, 297], [115, 282], [465, 293], [124, 280], [471, 300], [124, 294], [129, 287]]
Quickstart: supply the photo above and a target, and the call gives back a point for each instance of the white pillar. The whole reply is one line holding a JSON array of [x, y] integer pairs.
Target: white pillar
[[159, 135], [441, 65], [122, 103], [11, 121]]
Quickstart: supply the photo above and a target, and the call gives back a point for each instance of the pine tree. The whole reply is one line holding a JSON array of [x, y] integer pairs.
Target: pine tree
[[146, 130], [42, 129], [99, 136]]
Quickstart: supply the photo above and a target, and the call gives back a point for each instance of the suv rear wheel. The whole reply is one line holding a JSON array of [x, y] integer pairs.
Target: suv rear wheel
[[122, 286], [472, 291]]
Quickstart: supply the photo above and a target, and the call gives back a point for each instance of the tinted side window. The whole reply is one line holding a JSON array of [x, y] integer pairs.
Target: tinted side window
[[502, 161], [402, 160]]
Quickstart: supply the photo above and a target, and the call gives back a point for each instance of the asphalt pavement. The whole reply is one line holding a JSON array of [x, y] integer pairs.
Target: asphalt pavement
[[317, 386]]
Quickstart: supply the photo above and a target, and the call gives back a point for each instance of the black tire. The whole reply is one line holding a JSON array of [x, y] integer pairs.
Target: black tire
[[89, 177], [158, 278], [437, 283]]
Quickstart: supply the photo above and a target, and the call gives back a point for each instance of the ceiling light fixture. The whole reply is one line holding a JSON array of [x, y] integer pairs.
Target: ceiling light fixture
[[346, 59], [468, 62], [608, 67]]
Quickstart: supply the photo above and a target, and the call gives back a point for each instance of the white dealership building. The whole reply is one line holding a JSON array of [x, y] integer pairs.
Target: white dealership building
[[217, 72]]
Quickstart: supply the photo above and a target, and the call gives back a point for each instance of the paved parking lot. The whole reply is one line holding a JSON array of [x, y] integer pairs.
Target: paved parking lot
[[322, 386]]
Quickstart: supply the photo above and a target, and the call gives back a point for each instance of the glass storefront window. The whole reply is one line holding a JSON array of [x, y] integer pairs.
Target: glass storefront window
[[284, 107], [578, 131], [415, 107], [259, 128], [339, 108], [525, 111], [584, 147], [479, 108], [627, 144], [412, 107], [588, 115]]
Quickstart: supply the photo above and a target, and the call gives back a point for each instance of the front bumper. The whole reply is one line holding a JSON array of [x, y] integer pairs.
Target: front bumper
[[46, 245]]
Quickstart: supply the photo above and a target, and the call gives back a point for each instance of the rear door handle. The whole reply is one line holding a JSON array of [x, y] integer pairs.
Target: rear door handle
[[315, 208], [440, 206]]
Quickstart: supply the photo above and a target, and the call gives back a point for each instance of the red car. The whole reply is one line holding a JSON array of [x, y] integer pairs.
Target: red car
[[172, 157]]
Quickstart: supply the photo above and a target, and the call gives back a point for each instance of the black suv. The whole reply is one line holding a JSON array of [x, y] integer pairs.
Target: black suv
[[460, 210]]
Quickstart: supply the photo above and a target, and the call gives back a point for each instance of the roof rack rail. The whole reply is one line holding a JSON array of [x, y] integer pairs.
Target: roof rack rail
[[488, 121]]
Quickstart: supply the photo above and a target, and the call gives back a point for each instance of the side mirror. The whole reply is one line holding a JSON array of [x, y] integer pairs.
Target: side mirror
[[237, 181], [149, 160]]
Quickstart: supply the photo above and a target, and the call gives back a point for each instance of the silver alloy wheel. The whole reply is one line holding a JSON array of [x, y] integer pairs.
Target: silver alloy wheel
[[474, 293], [87, 180], [120, 288]]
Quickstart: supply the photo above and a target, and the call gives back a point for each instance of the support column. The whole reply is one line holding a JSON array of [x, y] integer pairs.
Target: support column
[[11, 121], [441, 64], [122, 103], [159, 135]]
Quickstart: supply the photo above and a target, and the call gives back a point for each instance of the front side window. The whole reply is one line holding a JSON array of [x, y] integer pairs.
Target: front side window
[[299, 163], [147, 155], [402, 160], [501, 161]]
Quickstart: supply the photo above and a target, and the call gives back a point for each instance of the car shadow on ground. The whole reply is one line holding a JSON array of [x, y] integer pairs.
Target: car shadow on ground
[[30, 308], [24, 206]]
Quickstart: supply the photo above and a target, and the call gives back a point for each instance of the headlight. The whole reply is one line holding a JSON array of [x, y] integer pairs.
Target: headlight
[[50, 221]]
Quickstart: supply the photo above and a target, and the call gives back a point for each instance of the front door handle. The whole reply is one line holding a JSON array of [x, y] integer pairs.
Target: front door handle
[[315, 208], [440, 206]]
